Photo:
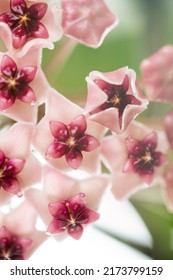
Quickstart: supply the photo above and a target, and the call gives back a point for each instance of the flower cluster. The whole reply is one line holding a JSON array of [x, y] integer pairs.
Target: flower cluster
[[38, 153]]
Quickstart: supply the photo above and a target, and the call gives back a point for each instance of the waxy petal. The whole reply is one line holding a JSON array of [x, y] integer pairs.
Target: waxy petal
[[77, 204], [2, 158], [6, 99], [14, 166], [167, 122], [9, 18], [88, 143], [19, 36], [38, 30], [56, 150], [11, 185], [78, 126], [26, 74], [74, 158], [58, 210], [37, 11], [18, 6], [26, 94], [59, 130], [8, 66], [75, 231], [151, 140], [57, 226]]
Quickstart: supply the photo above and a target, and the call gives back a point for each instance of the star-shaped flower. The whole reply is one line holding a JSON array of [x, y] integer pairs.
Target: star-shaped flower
[[73, 203], [113, 98], [17, 162], [22, 85], [87, 21], [65, 131], [134, 158], [157, 75], [26, 24]]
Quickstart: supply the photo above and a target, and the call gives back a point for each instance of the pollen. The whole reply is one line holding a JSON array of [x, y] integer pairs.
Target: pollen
[[147, 157]]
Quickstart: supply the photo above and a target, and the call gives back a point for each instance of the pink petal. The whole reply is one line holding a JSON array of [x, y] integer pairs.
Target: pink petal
[[56, 226], [11, 185], [59, 130], [78, 126], [9, 18], [74, 158], [88, 143], [77, 203], [133, 145], [168, 120], [26, 74], [56, 150], [26, 243], [37, 11], [58, 210], [19, 36], [92, 216], [148, 178], [8, 66], [18, 6], [14, 166], [151, 140], [6, 99], [5, 233], [129, 165], [75, 231], [26, 94], [38, 30]]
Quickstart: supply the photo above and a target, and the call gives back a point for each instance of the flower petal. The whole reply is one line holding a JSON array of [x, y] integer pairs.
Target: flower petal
[[75, 231], [19, 36], [56, 226], [38, 30], [9, 18], [59, 130], [26, 94], [56, 150], [37, 11], [58, 210], [6, 99], [11, 185], [88, 143], [8, 66], [77, 203], [78, 126], [26, 74], [18, 6], [74, 158], [14, 166]]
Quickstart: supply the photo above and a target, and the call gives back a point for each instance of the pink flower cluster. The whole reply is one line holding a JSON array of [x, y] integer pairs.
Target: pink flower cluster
[[37, 156]]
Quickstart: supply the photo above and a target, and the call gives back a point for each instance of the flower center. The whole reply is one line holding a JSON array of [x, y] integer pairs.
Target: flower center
[[115, 100], [24, 19], [147, 158], [72, 219], [12, 83], [71, 142]]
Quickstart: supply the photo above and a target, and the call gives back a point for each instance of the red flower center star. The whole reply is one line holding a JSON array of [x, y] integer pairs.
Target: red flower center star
[[143, 156], [24, 21], [117, 97], [9, 168], [11, 246], [70, 215]]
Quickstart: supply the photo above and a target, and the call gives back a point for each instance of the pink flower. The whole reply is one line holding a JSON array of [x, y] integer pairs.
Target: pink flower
[[167, 122], [16, 161], [26, 24], [113, 99], [22, 85], [157, 75], [65, 131], [70, 140], [72, 202], [70, 214], [133, 160], [87, 21], [18, 235]]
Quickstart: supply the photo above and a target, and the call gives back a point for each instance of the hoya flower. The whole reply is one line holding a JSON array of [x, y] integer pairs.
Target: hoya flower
[[157, 75], [29, 24], [22, 85], [168, 187], [16, 161], [113, 98], [72, 203], [18, 235], [68, 140], [167, 122], [134, 158], [87, 21]]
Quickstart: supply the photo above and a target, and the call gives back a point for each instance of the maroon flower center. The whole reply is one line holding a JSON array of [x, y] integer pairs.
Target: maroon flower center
[[118, 96], [10, 249]]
